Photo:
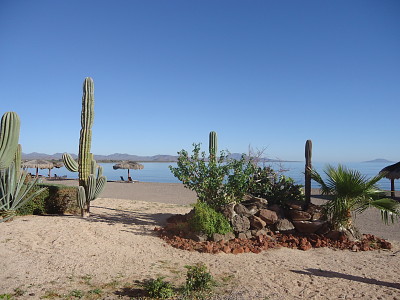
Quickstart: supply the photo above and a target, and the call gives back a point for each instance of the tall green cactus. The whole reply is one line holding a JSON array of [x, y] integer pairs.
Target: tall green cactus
[[308, 167], [14, 192], [91, 179], [10, 124], [212, 146]]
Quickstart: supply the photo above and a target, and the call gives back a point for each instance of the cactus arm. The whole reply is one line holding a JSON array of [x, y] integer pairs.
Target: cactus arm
[[91, 188], [81, 197], [17, 160], [101, 182], [99, 171], [70, 163], [9, 135], [212, 146]]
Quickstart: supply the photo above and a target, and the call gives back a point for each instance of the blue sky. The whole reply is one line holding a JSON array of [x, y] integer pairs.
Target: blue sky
[[270, 74]]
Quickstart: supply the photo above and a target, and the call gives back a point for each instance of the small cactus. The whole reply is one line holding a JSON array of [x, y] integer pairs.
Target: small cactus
[[308, 166], [10, 124], [212, 146], [90, 183]]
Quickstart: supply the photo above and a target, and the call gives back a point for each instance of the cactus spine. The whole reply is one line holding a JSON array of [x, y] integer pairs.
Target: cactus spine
[[10, 124], [212, 146], [90, 186], [307, 185]]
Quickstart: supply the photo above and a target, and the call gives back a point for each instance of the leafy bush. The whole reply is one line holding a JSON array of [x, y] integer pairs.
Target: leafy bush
[[277, 189], [55, 199], [159, 288], [198, 278], [216, 182], [206, 219]]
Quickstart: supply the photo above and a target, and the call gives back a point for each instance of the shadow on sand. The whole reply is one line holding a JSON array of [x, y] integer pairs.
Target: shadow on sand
[[112, 216], [332, 274]]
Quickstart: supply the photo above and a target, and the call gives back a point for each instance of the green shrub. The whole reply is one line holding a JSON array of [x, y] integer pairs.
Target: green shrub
[[198, 278], [216, 182], [206, 219], [277, 189], [159, 288], [56, 199]]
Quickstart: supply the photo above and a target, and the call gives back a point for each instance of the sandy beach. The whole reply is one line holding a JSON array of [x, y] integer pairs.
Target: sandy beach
[[117, 246]]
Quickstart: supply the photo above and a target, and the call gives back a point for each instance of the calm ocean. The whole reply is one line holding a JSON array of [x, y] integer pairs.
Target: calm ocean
[[159, 172]]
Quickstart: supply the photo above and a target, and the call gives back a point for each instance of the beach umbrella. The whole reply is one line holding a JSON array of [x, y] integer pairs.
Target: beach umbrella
[[56, 165], [391, 172], [38, 164], [130, 165]]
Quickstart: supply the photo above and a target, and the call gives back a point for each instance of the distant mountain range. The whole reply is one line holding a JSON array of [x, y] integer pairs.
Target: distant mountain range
[[111, 157], [122, 156], [378, 160]]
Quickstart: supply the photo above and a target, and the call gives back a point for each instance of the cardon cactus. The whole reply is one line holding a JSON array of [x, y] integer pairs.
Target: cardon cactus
[[9, 136], [212, 146], [14, 192], [91, 179], [308, 167]]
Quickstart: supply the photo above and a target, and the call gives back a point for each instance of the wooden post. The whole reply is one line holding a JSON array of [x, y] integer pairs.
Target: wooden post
[[392, 192], [308, 166]]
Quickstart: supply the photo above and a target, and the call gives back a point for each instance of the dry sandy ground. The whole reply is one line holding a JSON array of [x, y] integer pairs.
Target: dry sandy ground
[[49, 255]]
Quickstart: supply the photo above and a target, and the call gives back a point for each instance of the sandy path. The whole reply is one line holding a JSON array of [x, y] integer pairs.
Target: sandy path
[[39, 254]]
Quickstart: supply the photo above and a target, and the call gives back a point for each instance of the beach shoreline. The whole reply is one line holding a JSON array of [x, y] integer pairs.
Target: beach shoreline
[[118, 244]]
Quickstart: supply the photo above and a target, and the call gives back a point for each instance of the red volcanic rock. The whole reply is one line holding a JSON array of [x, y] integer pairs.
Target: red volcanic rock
[[264, 242], [305, 244], [238, 250], [227, 249]]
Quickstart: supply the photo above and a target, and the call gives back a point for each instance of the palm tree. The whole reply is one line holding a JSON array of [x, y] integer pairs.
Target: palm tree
[[352, 192]]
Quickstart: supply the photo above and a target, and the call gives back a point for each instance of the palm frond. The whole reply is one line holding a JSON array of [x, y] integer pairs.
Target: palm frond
[[390, 209]]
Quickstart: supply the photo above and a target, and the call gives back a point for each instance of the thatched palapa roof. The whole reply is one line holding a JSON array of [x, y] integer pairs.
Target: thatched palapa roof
[[38, 164], [391, 172], [133, 165]]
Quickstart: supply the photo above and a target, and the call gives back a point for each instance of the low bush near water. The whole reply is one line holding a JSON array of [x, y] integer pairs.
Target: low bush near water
[[216, 182], [268, 184], [56, 199]]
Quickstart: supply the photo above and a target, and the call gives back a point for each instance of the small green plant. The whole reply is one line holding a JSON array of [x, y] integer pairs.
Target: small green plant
[[158, 288], [77, 294], [6, 296], [95, 291], [198, 278], [206, 219]]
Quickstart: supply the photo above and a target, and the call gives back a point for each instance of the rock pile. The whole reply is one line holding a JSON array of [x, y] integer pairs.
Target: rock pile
[[258, 226], [254, 217]]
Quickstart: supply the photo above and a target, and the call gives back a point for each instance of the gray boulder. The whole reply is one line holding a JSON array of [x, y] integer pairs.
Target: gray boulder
[[240, 223], [283, 225]]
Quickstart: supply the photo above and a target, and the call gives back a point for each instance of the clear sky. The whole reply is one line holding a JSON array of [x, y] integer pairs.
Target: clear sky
[[270, 74]]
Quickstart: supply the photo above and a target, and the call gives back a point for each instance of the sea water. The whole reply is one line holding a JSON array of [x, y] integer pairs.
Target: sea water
[[159, 172]]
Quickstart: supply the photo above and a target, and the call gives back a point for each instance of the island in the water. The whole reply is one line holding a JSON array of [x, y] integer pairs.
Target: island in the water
[[378, 160]]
